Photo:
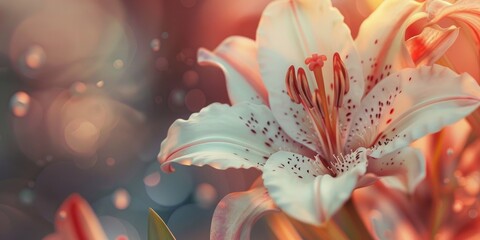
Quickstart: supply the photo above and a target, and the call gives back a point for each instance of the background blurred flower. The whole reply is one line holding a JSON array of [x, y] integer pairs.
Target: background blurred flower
[[74, 220], [444, 206]]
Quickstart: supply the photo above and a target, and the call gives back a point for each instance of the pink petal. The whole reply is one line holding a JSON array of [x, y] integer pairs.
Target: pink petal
[[453, 141], [447, 146], [388, 214], [75, 220], [463, 11], [355, 12], [237, 57], [237, 213], [466, 231], [469, 161], [465, 53], [381, 37], [427, 47], [382, 45]]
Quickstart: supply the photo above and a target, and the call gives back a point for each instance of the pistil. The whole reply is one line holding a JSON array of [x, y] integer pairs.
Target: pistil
[[315, 64]]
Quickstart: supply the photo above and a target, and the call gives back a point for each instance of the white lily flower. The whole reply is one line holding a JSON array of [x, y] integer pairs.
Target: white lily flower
[[316, 134]]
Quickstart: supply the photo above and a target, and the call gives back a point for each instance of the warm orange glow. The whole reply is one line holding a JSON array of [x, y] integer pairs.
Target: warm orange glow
[[35, 57], [20, 103], [82, 136], [121, 199]]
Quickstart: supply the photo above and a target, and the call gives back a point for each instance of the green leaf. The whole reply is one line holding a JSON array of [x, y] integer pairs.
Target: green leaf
[[157, 229]]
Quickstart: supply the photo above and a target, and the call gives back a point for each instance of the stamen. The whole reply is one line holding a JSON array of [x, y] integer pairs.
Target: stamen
[[297, 87], [323, 113], [341, 83], [328, 165], [316, 62], [317, 103], [299, 91], [305, 92], [291, 83]]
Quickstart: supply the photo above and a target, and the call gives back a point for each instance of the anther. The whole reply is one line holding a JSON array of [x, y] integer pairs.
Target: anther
[[317, 101], [291, 84], [341, 83], [305, 92]]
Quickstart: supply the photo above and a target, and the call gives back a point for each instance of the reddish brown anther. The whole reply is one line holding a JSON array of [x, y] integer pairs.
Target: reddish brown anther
[[317, 101], [306, 93], [291, 83], [340, 81]]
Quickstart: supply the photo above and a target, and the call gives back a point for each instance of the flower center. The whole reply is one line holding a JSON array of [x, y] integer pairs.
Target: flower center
[[322, 111]]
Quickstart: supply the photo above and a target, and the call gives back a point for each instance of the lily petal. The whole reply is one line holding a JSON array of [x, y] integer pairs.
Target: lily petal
[[465, 14], [406, 164], [76, 220], [300, 187], [469, 231], [289, 32], [388, 214], [294, 120], [237, 212], [411, 104], [427, 47], [223, 136], [355, 13], [380, 39], [451, 142], [469, 161], [464, 11], [237, 57], [445, 147]]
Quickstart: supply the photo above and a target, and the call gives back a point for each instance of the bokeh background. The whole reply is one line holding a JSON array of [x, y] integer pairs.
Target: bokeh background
[[88, 90]]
